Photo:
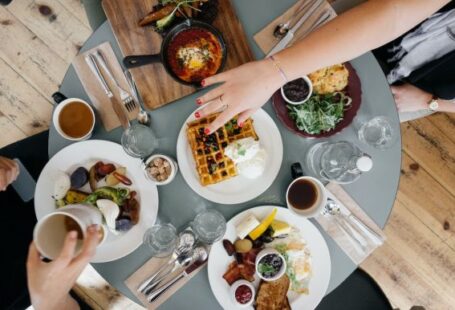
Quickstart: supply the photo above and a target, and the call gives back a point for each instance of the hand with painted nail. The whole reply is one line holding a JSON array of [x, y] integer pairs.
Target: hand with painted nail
[[9, 170], [49, 283], [242, 92]]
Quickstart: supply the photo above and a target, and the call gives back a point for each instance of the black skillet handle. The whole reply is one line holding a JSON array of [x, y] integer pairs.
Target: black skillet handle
[[140, 60], [296, 171]]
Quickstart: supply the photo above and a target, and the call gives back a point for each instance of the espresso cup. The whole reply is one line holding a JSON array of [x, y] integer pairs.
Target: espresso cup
[[74, 119], [305, 196], [50, 231]]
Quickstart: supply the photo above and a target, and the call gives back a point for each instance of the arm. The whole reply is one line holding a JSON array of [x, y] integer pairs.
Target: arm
[[246, 88], [9, 170], [410, 98]]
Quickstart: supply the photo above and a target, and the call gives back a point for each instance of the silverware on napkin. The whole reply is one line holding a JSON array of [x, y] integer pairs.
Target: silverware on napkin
[[143, 116], [290, 35]]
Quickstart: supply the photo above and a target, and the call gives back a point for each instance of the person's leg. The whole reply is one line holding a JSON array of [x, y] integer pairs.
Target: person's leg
[[95, 13]]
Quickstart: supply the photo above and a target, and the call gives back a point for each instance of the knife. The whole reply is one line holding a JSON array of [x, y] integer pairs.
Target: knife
[[185, 273], [290, 35], [116, 105]]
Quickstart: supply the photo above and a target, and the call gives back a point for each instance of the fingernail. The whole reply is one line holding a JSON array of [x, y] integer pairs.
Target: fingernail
[[197, 114], [93, 228], [240, 124], [199, 101], [207, 131], [203, 83], [72, 234]]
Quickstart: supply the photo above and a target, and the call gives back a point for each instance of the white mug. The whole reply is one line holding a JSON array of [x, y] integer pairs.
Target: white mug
[[318, 205], [56, 115], [50, 231]]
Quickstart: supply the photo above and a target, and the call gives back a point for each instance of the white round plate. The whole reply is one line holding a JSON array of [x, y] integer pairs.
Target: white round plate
[[320, 257], [238, 189], [85, 154]]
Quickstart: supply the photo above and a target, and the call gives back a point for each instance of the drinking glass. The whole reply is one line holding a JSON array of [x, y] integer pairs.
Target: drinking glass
[[377, 132], [209, 226], [139, 141], [161, 239]]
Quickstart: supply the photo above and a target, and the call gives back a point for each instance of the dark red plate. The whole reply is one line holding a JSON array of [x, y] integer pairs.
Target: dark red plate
[[353, 90]]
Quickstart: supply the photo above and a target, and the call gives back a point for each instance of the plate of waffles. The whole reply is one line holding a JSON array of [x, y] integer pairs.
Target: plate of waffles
[[211, 173]]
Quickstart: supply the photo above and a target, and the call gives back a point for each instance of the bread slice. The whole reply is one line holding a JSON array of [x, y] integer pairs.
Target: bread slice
[[272, 294]]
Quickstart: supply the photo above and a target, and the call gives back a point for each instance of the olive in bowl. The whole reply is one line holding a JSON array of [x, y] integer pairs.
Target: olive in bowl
[[242, 293], [160, 169], [297, 91], [270, 265]]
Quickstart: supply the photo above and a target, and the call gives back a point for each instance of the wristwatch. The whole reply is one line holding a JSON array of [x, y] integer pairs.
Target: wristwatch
[[433, 105]]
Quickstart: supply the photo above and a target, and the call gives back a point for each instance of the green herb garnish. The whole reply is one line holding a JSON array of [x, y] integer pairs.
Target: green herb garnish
[[266, 269], [321, 113]]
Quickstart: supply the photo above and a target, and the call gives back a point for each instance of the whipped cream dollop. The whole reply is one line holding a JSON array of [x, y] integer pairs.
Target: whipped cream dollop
[[249, 157]]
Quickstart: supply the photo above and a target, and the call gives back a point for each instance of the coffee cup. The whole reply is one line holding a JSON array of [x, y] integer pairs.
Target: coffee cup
[[74, 119], [305, 196], [51, 230]]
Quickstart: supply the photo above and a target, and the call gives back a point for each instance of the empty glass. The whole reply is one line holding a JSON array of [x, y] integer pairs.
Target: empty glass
[[209, 226], [139, 141], [161, 239], [377, 132]]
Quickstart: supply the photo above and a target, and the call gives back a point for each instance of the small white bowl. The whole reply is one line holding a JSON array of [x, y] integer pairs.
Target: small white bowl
[[261, 255], [174, 169], [235, 286], [310, 92]]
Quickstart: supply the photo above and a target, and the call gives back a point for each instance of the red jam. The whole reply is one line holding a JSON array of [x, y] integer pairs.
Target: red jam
[[243, 294]]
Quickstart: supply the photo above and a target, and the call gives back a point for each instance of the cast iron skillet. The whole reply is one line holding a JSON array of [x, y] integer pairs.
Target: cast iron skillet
[[134, 61]]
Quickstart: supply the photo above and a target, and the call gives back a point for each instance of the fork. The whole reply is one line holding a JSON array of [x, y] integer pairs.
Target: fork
[[125, 97]]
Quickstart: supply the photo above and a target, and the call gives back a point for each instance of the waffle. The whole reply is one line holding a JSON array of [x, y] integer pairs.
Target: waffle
[[208, 150]]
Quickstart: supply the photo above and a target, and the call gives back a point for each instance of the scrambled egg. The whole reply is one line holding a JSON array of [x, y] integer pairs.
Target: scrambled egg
[[193, 58], [330, 79]]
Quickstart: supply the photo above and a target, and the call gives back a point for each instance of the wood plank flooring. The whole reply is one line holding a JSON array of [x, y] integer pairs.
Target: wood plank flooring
[[416, 265]]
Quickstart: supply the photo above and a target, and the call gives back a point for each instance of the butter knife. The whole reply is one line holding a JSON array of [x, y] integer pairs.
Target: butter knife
[[185, 273], [290, 35]]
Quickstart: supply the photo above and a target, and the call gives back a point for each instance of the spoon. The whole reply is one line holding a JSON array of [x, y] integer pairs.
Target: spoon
[[282, 29], [143, 117]]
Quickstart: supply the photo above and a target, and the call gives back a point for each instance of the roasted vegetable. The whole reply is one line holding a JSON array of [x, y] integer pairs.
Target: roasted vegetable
[[243, 245], [157, 14], [92, 179], [79, 177], [131, 209], [123, 224], [122, 178], [74, 197], [111, 180], [104, 169], [229, 247], [117, 195]]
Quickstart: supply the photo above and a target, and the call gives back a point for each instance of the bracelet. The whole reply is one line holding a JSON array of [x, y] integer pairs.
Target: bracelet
[[277, 65]]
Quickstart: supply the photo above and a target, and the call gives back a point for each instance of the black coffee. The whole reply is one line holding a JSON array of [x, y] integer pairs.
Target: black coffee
[[303, 194]]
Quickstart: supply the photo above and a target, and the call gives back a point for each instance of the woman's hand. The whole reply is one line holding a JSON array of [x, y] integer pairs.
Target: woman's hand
[[244, 90], [9, 170], [410, 98], [50, 283]]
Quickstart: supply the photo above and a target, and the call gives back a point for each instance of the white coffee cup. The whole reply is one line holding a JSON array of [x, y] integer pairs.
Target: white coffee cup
[[56, 119], [51, 230], [316, 207]]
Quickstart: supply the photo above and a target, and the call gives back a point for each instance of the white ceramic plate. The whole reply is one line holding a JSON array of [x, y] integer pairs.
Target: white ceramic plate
[[321, 265], [238, 189], [85, 154]]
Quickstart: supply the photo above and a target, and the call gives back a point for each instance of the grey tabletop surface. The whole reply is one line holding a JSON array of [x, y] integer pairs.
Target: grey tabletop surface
[[375, 191]]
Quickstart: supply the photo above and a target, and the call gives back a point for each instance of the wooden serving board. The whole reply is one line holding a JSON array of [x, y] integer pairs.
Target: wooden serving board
[[155, 85]]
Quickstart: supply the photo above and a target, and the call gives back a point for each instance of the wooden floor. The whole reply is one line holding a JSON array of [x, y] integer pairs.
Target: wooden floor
[[416, 266]]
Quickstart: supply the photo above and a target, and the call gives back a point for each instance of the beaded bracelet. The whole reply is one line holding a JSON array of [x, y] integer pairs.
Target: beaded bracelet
[[278, 66]]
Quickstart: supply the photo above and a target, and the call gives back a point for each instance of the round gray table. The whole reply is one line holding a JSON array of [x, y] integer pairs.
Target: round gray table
[[375, 192]]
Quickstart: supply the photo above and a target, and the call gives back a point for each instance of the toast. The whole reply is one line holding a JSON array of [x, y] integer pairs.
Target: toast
[[272, 294]]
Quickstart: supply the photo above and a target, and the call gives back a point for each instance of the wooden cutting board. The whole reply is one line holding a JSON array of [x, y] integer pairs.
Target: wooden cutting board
[[155, 85]]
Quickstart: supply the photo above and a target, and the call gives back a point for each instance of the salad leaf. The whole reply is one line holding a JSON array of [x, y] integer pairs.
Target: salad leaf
[[321, 113]]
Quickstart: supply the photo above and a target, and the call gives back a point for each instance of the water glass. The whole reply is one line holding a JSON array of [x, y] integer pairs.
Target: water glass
[[209, 226], [139, 141], [161, 239], [377, 132]]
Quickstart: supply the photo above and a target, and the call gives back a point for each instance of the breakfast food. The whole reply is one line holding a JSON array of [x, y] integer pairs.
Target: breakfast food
[[248, 156], [209, 150], [297, 90], [98, 185], [330, 79], [272, 294], [194, 54], [159, 169]]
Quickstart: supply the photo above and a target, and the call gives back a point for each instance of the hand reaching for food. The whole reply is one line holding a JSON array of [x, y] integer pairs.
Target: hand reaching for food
[[244, 90], [50, 283], [9, 170]]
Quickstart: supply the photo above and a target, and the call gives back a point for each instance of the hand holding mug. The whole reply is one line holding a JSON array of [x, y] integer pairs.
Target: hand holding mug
[[50, 283]]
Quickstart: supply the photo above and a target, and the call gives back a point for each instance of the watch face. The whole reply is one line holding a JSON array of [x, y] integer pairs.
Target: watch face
[[434, 105]]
